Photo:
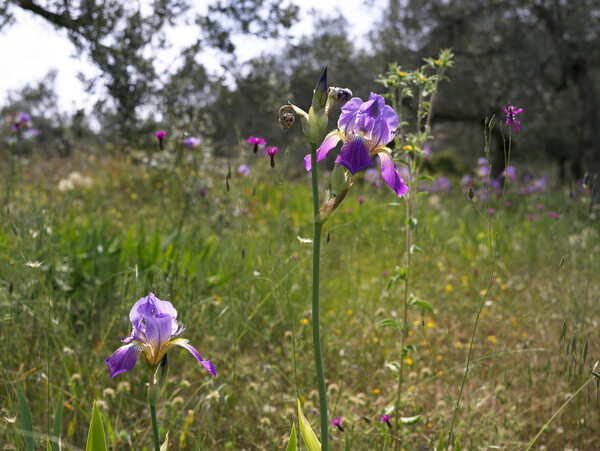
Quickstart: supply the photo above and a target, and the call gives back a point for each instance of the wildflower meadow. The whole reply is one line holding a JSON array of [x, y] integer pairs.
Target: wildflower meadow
[[355, 288]]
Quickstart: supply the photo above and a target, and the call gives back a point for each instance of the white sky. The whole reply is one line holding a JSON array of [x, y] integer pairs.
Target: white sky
[[32, 47]]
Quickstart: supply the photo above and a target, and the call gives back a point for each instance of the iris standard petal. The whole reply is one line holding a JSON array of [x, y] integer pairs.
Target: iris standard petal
[[354, 154], [348, 115], [391, 175], [158, 332], [205, 363], [123, 359], [328, 143]]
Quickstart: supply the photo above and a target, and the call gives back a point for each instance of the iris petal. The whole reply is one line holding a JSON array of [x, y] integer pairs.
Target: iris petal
[[391, 175], [205, 363], [354, 154], [328, 143], [123, 359]]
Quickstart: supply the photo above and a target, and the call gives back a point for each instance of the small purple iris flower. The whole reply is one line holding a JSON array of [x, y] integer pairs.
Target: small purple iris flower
[[257, 142], [23, 121], [161, 136], [154, 325], [243, 170], [337, 422], [511, 116], [365, 128], [386, 419], [271, 151], [192, 142]]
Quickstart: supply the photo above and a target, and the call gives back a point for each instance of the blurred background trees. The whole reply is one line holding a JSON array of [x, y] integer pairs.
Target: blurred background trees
[[541, 55]]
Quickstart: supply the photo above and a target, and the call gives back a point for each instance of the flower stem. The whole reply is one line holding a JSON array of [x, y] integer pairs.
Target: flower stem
[[154, 426], [318, 225]]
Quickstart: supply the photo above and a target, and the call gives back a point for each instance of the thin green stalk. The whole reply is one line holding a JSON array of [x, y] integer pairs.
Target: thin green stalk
[[318, 225], [545, 426], [410, 207], [154, 427]]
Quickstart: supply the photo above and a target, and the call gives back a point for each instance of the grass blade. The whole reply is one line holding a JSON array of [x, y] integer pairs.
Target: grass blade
[[25, 416], [96, 440], [55, 440]]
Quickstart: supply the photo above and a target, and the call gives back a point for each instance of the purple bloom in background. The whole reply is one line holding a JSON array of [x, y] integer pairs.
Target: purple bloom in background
[[511, 117], [372, 176], [386, 419], [554, 215], [509, 173], [243, 170], [192, 142], [161, 136], [540, 207], [337, 422], [361, 200], [490, 211], [365, 128], [257, 142], [271, 151], [532, 217], [442, 183], [154, 325], [23, 121]]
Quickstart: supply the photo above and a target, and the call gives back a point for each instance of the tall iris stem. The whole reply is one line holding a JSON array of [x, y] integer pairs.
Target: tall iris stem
[[154, 426], [318, 225]]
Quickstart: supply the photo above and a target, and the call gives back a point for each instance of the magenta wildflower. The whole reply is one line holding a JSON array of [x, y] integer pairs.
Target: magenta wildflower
[[154, 325], [532, 217], [257, 142], [192, 142], [554, 215], [365, 128], [490, 211], [161, 136], [271, 151], [337, 422], [511, 117], [361, 200], [386, 419]]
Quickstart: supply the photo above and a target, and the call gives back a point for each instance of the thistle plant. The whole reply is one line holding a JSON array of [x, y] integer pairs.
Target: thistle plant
[[421, 86], [154, 324]]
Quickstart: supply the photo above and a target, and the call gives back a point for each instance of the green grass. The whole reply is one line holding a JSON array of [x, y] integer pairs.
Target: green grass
[[240, 280]]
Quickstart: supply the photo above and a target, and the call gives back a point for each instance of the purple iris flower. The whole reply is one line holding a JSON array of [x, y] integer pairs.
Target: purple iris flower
[[23, 121], [365, 128], [511, 116], [509, 173], [154, 325], [192, 142], [243, 170]]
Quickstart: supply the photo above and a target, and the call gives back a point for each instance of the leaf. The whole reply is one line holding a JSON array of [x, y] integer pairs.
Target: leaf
[[292, 446], [96, 440], [440, 446], [427, 178], [426, 305], [25, 416], [308, 435], [390, 323], [457, 447], [165, 445], [55, 440], [394, 367], [416, 249], [410, 420]]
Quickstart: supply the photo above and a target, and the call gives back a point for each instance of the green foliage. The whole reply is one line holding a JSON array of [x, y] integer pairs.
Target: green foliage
[[26, 420], [96, 441]]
